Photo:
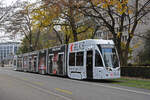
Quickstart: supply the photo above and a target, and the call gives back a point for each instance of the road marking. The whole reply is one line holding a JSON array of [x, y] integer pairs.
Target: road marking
[[38, 83], [25, 79], [118, 88], [47, 91], [64, 91], [44, 90], [106, 86], [123, 89]]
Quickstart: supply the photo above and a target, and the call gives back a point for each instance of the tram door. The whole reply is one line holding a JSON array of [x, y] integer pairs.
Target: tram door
[[89, 64], [50, 63], [35, 64], [60, 63]]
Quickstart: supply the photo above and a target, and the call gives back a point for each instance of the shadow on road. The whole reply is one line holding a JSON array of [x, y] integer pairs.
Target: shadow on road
[[103, 81], [85, 80]]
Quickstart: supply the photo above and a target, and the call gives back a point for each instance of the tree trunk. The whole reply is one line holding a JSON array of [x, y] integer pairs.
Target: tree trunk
[[37, 40], [58, 36], [67, 39], [73, 27], [72, 21], [75, 36], [30, 42], [125, 58]]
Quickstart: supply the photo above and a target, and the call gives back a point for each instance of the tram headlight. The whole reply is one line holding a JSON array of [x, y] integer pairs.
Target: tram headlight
[[109, 68]]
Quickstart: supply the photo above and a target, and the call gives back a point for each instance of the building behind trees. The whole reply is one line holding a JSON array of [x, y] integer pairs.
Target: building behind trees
[[7, 51]]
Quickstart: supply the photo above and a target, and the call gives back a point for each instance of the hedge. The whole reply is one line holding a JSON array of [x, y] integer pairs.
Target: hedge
[[142, 72]]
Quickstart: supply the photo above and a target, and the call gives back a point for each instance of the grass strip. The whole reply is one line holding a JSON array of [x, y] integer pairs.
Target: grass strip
[[133, 82]]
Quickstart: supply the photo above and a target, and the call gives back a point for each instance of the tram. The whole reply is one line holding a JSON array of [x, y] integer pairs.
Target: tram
[[86, 59]]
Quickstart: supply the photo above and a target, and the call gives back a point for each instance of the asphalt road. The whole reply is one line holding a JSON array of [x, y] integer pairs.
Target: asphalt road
[[28, 86]]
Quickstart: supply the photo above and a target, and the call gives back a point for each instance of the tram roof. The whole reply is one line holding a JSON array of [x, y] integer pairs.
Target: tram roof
[[96, 41]]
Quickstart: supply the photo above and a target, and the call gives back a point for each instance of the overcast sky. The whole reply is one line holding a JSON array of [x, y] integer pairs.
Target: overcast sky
[[8, 2]]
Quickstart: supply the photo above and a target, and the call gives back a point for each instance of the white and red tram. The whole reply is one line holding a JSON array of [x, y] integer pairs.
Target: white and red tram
[[86, 59]]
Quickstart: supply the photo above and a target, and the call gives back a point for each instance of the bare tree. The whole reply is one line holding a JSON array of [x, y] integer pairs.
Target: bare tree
[[20, 22], [115, 17], [5, 12], [67, 18]]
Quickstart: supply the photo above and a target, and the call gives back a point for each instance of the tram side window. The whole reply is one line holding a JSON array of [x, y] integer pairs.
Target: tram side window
[[98, 59], [79, 58], [72, 59]]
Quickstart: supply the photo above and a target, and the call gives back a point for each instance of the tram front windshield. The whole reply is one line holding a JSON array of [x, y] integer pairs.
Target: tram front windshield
[[110, 57]]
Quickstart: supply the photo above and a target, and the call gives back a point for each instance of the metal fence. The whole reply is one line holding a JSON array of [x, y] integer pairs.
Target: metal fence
[[142, 71]]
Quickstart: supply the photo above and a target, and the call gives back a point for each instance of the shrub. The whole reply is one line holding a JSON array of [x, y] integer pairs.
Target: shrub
[[142, 72]]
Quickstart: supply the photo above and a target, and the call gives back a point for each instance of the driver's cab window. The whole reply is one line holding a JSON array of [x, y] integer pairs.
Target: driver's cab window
[[98, 59]]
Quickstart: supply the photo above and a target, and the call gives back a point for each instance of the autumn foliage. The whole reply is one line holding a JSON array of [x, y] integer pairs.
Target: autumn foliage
[[73, 20]]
